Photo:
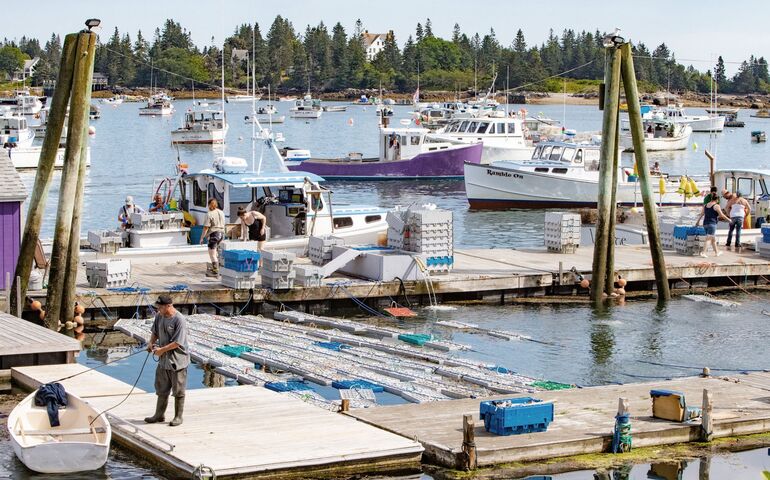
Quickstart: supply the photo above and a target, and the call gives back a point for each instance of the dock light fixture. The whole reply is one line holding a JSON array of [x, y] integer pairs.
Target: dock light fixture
[[93, 23], [613, 39]]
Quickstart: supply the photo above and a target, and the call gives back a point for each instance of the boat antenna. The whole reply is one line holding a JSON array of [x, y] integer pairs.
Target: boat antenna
[[224, 119], [253, 103]]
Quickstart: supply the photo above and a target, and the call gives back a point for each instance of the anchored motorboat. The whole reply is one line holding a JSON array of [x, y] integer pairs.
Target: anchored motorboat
[[659, 135], [159, 104], [563, 175], [22, 103], [308, 107], [201, 127], [15, 132], [404, 153]]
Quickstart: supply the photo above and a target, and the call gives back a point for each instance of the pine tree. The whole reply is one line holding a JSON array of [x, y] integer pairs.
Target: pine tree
[[428, 29], [339, 51], [719, 74], [419, 34]]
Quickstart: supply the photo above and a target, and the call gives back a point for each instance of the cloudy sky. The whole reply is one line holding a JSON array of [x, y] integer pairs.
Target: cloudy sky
[[696, 31]]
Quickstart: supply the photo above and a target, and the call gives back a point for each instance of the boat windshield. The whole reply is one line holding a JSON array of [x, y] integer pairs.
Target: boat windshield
[[556, 153], [568, 155], [545, 153], [464, 126]]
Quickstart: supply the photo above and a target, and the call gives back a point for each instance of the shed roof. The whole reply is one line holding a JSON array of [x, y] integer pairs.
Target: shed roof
[[11, 186]]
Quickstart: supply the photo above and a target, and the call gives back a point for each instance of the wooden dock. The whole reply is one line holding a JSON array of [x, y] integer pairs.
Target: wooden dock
[[245, 431], [486, 275], [583, 420], [24, 343]]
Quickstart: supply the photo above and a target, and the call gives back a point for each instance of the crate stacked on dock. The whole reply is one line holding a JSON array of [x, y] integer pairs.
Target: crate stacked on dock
[[157, 221], [667, 235], [396, 228], [308, 275], [240, 269], [105, 241], [111, 273], [763, 244], [320, 248], [562, 232], [689, 239], [515, 416], [278, 269], [430, 234]]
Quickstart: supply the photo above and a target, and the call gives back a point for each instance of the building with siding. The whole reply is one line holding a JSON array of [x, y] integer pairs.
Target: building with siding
[[374, 43], [12, 196]]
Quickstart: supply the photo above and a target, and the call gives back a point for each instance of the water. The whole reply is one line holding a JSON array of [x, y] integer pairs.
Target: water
[[631, 342]]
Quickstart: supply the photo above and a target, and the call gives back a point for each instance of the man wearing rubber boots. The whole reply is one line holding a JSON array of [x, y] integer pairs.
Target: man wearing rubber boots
[[169, 343]]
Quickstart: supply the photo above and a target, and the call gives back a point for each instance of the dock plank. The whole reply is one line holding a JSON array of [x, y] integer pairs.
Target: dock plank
[[85, 385], [20, 337], [583, 421]]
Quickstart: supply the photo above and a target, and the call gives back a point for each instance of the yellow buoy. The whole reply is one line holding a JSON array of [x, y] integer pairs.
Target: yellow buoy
[[687, 188], [662, 186], [636, 170], [694, 146], [681, 188]]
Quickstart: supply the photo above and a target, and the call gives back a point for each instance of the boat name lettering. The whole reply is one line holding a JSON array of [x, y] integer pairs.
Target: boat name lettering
[[503, 174]]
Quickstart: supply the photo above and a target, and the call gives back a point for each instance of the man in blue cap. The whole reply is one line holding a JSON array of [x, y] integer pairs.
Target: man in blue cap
[[169, 343]]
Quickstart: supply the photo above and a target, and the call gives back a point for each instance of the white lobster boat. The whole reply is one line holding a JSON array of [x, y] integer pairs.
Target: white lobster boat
[[308, 107], [15, 131], [80, 443], [559, 175], [27, 158], [158, 104], [201, 127], [504, 137], [660, 136]]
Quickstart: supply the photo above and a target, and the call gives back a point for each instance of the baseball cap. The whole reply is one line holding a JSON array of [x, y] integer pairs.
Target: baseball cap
[[164, 300], [129, 200]]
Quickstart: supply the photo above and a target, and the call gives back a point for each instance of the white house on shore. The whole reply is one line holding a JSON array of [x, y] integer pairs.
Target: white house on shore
[[26, 71], [374, 43]]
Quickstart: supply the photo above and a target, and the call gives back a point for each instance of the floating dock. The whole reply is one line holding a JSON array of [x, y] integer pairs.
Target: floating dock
[[24, 343], [238, 431], [479, 275], [583, 421]]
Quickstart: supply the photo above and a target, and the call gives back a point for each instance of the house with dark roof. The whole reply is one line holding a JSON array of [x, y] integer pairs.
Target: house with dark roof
[[13, 193], [373, 43]]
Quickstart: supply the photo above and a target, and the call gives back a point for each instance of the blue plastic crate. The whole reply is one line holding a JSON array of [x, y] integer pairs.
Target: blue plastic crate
[[241, 260], [515, 416], [439, 261], [335, 346], [348, 384], [287, 386]]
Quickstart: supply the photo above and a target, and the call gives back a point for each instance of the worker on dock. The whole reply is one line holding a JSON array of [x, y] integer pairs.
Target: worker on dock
[[737, 208], [214, 228], [168, 341], [711, 215], [253, 226], [124, 213]]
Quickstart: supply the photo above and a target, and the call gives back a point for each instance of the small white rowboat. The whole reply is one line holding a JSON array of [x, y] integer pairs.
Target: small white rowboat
[[73, 446]]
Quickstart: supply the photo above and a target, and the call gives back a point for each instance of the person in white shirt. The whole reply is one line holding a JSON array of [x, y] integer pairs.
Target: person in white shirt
[[738, 207], [214, 228], [124, 213]]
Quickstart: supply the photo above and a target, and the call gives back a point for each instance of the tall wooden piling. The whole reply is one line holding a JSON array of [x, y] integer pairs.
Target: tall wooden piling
[[604, 201], [469, 461], [637, 133], [609, 287], [45, 167], [71, 270], [76, 137]]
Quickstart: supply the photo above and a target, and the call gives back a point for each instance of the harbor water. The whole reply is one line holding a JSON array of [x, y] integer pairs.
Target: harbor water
[[629, 342]]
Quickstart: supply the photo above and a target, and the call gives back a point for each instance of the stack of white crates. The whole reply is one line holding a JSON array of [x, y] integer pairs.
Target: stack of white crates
[[105, 241], [427, 232], [278, 269], [112, 273], [320, 248], [308, 275], [667, 235], [157, 221], [763, 242], [562, 232], [689, 240], [158, 230]]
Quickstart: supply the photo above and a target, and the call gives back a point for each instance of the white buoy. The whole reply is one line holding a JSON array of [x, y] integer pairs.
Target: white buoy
[[91, 130]]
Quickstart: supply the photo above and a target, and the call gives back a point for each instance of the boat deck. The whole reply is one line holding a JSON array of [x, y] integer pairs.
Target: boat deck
[[243, 430], [583, 420], [490, 275]]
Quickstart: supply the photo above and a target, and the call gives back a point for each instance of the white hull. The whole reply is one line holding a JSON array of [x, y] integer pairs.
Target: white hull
[[497, 186], [182, 136], [704, 123], [243, 98], [305, 113], [156, 111], [266, 119], [660, 144], [199, 253], [29, 157], [71, 447]]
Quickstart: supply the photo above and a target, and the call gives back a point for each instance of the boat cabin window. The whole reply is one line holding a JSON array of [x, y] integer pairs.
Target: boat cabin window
[[545, 153], [762, 186], [730, 184], [241, 195], [472, 127], [198, 194], [559, 170], [373, 218], [568, 155], [746, 186], [511, 127], [484, 127], [414, 139], [343, 222], [579, 156], [536, 153], [216, 195], [464, 126], [555, 153], [501, 127], [541, 169]]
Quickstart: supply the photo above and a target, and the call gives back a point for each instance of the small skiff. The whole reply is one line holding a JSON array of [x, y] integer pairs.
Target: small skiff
[[73, 446]]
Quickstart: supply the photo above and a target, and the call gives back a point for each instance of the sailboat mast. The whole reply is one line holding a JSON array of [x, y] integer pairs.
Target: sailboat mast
[[224, 119]]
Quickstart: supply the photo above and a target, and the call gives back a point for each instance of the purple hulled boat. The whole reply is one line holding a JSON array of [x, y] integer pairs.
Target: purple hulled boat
[[404, 153]]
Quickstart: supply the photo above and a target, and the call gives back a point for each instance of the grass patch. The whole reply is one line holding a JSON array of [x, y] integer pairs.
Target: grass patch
[[573, 85]]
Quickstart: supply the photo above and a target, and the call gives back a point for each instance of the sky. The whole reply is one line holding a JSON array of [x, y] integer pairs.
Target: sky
[[697, 31]]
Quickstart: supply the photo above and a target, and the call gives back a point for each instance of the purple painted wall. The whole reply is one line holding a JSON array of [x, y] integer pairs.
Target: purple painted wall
[[10, 238]]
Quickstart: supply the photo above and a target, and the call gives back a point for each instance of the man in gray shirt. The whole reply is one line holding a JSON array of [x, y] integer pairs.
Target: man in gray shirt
[[169, 343]]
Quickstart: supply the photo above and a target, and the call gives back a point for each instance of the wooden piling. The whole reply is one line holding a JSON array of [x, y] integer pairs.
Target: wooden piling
[[78, 124], [609, 125], [712, 161], [345, 406], [71, 271], [45, 167], [469, 443], [650, 213], [609, 288], [707, 419]]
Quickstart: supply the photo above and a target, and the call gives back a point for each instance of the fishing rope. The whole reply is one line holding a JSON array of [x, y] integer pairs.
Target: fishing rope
[[138, 377], [99, 366]]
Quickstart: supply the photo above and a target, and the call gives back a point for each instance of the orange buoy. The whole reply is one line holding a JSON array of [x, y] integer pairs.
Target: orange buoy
[[620, 291], [79, 309], [80, 336], [79, 329], [35, 305], [78, 319], [622, 281], [585, 283]]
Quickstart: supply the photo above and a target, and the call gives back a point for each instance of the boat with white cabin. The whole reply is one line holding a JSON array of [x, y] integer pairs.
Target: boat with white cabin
[[201, 127], [307, 107], [15, 132], [80, 443], [159, 104], [22, 102], [504, 137], [560, 175], [28, 158], [659, 135]]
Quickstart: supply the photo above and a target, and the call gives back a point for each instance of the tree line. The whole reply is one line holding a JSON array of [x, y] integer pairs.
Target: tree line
[[323, 59]]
